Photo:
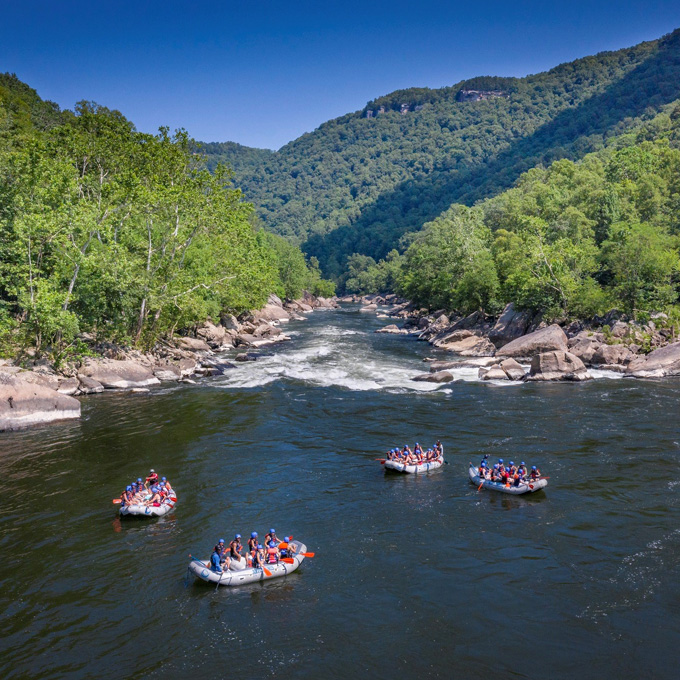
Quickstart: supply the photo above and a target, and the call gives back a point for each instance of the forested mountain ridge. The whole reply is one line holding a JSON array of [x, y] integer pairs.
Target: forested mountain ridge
[[358, 183]]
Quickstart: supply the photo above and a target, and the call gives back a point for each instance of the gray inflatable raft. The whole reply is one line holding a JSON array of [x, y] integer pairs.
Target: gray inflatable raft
[[525, 487], [239, 577]]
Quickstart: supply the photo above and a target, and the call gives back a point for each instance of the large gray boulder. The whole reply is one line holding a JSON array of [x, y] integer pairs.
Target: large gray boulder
[[584, 347], [493, 373], [89, 385], [114, 374], [549, 339], [23, 404], [167, 372], [38, 378], [271, 312], [470, 346], [474, 362], [660, 363], [439, 377], [511, 324], [512, 369], [612, 354], [69, 387], [215, 336], [393, 329], [193, 344], [557, 365]]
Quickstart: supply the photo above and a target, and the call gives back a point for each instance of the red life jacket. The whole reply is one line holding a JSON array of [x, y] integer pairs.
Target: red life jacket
[[271, 555]]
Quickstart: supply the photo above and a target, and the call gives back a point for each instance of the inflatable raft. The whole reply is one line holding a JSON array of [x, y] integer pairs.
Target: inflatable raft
[[525, 487], [141, 510], [236, 576], [415, 469]]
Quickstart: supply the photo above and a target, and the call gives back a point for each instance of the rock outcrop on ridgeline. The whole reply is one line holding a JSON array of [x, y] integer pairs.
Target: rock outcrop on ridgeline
[[660, 363], [24, 403], [557, 366], [549, 339]]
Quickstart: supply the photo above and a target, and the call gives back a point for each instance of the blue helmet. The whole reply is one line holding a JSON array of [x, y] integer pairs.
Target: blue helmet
[[287, 538], [237, 536], [483, 464], [417, 444], [259, 546], [496, 466], [272, 544], [164, 479], [272, 531], [512, 462], [128, 488], [254, 534], [533, 467], [139, 480], [500, 461], [221, 540]]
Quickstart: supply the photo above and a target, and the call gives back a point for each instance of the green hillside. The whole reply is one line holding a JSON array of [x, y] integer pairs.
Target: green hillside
[[359, 182]]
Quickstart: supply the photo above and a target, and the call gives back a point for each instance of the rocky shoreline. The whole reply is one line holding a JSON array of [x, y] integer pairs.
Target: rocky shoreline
[[501, 347], [35, 391]]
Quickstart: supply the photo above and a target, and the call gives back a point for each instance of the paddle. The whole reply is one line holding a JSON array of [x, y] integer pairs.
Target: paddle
[[310, 555], [288, 560], [479, 488], [266, 571], [117, 501]]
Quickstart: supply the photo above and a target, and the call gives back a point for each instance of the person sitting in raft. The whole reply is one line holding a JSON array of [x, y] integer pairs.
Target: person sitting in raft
[[482, 471], [126, 496], [535, 473], [283, 547], [438, 447], [216, 561], [273, 553], [235, 548], [271, 536], [166, 483], [522, 469], [258, 557], [221, 550], [155, 499], [152, 479], [406, 452]]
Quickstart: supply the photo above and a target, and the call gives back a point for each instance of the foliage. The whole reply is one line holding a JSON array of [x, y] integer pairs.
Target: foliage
[[121, 234], [570, 240], [357, 184]]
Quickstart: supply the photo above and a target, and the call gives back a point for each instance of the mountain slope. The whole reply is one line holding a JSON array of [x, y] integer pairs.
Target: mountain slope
[[359, 182]]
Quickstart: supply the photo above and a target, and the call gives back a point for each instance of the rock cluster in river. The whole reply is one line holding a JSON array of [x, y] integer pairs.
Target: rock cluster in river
[[44, 394], [549, 352]]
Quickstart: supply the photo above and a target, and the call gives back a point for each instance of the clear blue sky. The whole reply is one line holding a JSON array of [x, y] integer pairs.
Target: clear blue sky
[[262, 72]]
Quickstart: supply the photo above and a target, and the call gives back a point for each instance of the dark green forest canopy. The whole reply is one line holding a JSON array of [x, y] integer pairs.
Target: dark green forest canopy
[[572, 240], [358, 184], [120, 234]]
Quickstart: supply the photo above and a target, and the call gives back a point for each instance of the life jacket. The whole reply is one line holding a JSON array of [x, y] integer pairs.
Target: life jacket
[[534, 474], [235, 548], [252, 545], [481, 471], [271, 555]]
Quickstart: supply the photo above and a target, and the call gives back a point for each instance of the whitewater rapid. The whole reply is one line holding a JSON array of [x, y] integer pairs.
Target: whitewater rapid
[[341, 349]]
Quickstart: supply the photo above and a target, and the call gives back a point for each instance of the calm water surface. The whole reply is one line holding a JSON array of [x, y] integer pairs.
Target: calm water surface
[[414, 577]]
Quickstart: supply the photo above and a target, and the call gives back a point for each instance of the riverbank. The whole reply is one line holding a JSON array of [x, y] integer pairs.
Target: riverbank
[[518, 346], [35, 391]]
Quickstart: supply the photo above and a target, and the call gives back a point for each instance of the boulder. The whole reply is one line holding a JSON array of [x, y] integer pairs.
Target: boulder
[[244, 356], [187, 366], [266, 331], [245, 339], [230, 322], [584, 347], [369, 308], [620, 329], [549, 339], [392, 328], [557, 365], [35, 378], [23, 404], [215, 336], [475, 362], [511, 324], [113, 374], [472, 346], [512, 369], [193, 344], [69, 387], [271, 312], [167, 372], [439, 377], [662, 362], [89, 385], [492, 373], [612, 354], [447, 336]]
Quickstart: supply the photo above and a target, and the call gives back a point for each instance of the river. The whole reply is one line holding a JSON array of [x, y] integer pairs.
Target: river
[[414, 577]]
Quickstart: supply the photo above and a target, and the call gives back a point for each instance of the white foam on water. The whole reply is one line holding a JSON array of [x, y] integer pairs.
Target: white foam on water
[[342, 357]]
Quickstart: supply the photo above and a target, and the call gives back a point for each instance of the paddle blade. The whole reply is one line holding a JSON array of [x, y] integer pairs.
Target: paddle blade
[[116, 501], [479, 488], [266, 571], [288, 560], [310, 555]]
